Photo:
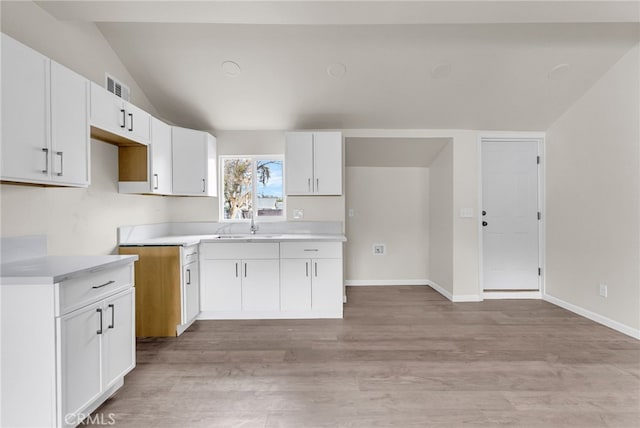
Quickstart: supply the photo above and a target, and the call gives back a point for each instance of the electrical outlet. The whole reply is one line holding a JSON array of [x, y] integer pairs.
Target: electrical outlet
[[298, 213], [603, 290], [379, 249]]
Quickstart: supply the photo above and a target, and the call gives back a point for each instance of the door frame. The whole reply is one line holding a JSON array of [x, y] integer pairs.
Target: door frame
[[539, 138]]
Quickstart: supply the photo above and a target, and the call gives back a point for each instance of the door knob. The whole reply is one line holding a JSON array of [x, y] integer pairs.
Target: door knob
[[484, 212], [484, 223]]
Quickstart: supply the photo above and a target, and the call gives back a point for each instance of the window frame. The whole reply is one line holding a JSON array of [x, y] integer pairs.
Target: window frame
[[254, 174]]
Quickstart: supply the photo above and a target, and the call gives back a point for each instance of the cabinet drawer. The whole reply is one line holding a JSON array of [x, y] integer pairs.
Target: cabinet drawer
[[245, 251], [311, 250], [78, 292], [189, 254]]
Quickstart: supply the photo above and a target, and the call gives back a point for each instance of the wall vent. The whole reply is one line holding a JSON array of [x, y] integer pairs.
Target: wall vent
[[116, 87]]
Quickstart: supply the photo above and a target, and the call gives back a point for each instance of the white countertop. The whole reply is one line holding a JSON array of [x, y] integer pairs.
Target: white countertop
[[186, 240], [53, 269]]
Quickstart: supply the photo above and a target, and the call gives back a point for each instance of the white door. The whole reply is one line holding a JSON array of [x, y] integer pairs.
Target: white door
[[80, 335], [107, 111], [160, 157], [260, 285], [191, 292], [299, 163], [138, 124], [221, 288], [510, 215], [69, 126], [190, 162], [119, 346], [295, 284], [327, 163], [326, 285], [25, 113]]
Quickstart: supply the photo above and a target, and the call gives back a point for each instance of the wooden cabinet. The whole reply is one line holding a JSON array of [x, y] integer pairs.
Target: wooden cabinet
[[311, 277], [313, 162], [194, 162], [167, 283], [147, 169], [240, 277], [74, 350], [45, 130], [116, 120]]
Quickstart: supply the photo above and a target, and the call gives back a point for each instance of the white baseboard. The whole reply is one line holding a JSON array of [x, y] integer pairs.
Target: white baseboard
[[216, 315], [512, 295], [384, 282], [622, 328], [439, 289], [456, 298]]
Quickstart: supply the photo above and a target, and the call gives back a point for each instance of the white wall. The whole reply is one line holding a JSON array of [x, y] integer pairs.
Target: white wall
[[593, 197], [76, 221], [441, 219], [391, 207]]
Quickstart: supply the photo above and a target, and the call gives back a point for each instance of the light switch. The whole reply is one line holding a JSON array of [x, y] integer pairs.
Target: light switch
[[298, 213], [351, 213], [466, 213]]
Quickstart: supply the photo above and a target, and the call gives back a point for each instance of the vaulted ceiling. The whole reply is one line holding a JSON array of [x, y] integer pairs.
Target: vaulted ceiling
[[363, 64]]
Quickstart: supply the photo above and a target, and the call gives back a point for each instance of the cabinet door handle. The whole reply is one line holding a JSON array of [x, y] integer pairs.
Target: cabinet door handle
[[124, 118], [99, 310], [317, 184], [188, 276], [316, 268], [113, 316], [309, 184], [306, 267], [103, 285], [245, 270], [131, 122], [310, 249], [204, 185], [157, 182], [61, 163], [236, 270], [45, 171]]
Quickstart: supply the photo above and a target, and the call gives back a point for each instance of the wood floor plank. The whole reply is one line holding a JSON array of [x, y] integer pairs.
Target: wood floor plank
[[401, 357]]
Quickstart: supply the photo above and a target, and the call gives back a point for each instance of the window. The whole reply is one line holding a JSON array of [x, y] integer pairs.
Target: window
[[252, 184]]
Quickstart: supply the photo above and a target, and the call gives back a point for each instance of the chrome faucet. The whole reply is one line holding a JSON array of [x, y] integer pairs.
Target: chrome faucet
[[254, 228]]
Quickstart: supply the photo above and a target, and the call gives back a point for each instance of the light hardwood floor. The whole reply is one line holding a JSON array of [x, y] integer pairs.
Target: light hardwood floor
[[401, 357]]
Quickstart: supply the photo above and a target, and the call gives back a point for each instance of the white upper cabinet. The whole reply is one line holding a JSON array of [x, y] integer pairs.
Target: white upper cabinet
[[118, 118], [70, 142], [194, 162], [45, 134], [147, 169], [313, 163], [161, 175]]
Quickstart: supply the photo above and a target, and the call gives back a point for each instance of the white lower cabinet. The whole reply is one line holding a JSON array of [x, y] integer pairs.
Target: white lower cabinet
[[73, 353], [240, 278], [271, 280], [311, 277]]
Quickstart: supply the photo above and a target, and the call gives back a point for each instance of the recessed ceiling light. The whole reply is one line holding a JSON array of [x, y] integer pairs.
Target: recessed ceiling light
[[441, 71], [337, 70], [230, 68], [558, 71]]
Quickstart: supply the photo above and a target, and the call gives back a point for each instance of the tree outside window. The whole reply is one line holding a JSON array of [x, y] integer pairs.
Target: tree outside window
[[252, 185]]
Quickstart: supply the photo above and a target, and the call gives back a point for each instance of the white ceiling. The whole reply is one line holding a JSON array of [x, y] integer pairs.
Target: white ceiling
[[409, 65], [393, 152]]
